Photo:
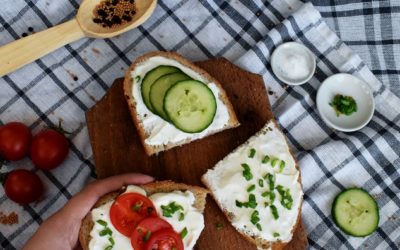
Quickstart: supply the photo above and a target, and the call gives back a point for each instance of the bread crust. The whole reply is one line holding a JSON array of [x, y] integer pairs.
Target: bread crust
[[260, 243], [128, 86], [199, 193]]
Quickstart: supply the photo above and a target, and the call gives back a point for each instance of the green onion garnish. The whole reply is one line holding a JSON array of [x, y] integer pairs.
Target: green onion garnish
[[147, 236], [282, 166], [271, 180], [137, 207], [252, 153], [274, 212], [252, 203], [275, 234], [343, 105], [251, 188], [105, 232], [181, 216], [137, 78], [261, 182], [286, 197], [254, 217], [108, 247], [265, 159], [170, 209], [184, 233], [274, 161], [246, 172], [102, 222], [111, 240], [259, 226]]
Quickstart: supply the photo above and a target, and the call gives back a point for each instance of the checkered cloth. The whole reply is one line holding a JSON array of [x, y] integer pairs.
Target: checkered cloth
[[64, 84]]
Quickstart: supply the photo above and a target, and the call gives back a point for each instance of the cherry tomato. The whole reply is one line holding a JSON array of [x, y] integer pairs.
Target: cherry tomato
[[164, 239], [128, 210], [145, 229], [15, 139], [49, 149], [23, 186]]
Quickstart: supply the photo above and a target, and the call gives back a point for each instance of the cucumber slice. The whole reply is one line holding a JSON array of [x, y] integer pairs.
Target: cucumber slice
[[150, 78], [190, 105], [355, 212], [160, 87]]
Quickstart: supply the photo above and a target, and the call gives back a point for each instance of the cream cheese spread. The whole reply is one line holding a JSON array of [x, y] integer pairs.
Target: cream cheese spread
[[193, 219], [227, 181], [158, 130]]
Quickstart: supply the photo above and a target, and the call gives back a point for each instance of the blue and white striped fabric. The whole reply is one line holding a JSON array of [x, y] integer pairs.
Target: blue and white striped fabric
[[358, 37]]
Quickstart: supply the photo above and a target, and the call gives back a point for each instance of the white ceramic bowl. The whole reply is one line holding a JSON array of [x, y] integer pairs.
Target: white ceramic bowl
[[347, 85], [292, 48]]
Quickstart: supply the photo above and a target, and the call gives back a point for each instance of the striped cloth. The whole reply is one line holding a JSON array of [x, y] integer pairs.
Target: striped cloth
[[66, 83]]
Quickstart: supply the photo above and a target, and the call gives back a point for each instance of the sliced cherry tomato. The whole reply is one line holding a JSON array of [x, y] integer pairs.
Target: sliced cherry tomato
[[49, 149], [128, 210], [164, 239], [145, 229], [15, 139], [23, 186]]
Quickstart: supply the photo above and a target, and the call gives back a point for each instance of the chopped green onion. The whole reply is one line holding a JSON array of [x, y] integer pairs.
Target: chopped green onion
[[105, 232], [111, 240], [286, 197], [275, 234], [137, 207], [108, 247], [254, 217], [265, 159], [251, 188], [259, 226], [184, 232], [137, 78], [252, 153], [261, 182], [246, 172], [170, 209], [181, 216], [219, 225], [252, 201], [147, 236], [274, 161], [271, 180], [102, 222], [238, 203], [282, 166], [274, 212], [343, 105]]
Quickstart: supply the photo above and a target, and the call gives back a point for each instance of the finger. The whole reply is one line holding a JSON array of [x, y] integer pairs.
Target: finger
[[81, 204]]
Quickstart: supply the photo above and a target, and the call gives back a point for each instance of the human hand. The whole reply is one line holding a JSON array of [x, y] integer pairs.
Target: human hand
[[61, 230]]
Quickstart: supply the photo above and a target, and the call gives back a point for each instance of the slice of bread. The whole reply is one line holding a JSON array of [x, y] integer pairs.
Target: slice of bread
[[138, 116], [221, 175], [199, 193]]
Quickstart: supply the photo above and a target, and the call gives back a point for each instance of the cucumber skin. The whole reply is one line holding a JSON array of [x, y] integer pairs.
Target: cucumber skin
[[147, 102], [334, 214], [213, 115]]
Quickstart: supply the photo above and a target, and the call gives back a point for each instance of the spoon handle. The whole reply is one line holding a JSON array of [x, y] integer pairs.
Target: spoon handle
[[25, 50]]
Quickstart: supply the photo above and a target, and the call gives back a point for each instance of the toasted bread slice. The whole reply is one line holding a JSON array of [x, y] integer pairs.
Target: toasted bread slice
[[199, 193], [139, 112], [271, 142]]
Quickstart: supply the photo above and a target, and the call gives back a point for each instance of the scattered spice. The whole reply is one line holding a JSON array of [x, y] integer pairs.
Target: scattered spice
[[9, 219], [30, 29], [24, 34], [96, 51], [111, 13]]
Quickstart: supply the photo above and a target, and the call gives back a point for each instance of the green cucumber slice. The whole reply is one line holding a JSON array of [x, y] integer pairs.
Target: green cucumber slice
[[355, 212], [150, 78], [190, 105], [160, 87]]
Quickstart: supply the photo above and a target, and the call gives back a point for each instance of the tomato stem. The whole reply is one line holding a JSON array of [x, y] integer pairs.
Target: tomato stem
[[3, 177], [60, 129]]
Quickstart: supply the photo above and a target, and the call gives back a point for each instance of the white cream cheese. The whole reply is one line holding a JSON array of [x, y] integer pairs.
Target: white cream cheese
[[193, 219], [158, 130], [228, 183]]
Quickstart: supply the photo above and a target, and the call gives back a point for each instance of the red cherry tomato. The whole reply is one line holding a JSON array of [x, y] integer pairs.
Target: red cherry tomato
[[23, 186], [15, 139], [164, 239], [128, 210], [49, 149], [145, 229]]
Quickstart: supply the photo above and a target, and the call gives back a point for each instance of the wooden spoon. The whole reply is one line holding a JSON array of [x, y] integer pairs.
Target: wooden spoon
[[25, 50]]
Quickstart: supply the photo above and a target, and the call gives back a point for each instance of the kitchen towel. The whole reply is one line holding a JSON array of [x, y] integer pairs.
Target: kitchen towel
[[67, 82]]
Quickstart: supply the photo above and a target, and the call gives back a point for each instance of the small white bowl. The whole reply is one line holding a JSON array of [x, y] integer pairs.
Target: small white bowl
[[348, 85], [280, 54]]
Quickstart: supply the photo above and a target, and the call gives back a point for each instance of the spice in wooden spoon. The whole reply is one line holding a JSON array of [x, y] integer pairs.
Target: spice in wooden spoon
[[111, 13]]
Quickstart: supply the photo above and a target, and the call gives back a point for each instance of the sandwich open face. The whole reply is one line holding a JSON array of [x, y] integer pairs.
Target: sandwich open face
[[141, 217], [258, 187], [173, 102]]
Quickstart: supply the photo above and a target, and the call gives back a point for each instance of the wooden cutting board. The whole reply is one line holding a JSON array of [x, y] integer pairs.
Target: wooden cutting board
[[117, 148]]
